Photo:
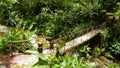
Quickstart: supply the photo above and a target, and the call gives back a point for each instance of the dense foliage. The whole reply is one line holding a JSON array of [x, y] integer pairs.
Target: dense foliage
[[52, 17]]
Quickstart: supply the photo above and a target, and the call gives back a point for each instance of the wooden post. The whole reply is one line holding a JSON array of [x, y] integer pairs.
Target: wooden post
[[40, 49], [51, 43]]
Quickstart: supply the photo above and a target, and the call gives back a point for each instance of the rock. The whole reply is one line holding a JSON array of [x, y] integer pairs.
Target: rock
[[23, 60], [4, 29], [2, 66]]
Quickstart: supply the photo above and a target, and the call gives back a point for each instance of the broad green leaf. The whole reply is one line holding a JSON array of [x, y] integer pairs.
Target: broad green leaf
[[40, 55]]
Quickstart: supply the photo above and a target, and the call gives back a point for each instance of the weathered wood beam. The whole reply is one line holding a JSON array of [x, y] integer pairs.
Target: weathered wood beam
[[80, 40], [75, 42], [19, 41]]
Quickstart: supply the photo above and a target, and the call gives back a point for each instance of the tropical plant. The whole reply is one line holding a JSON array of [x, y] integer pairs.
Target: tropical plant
[[15, 40], [115, 48]]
